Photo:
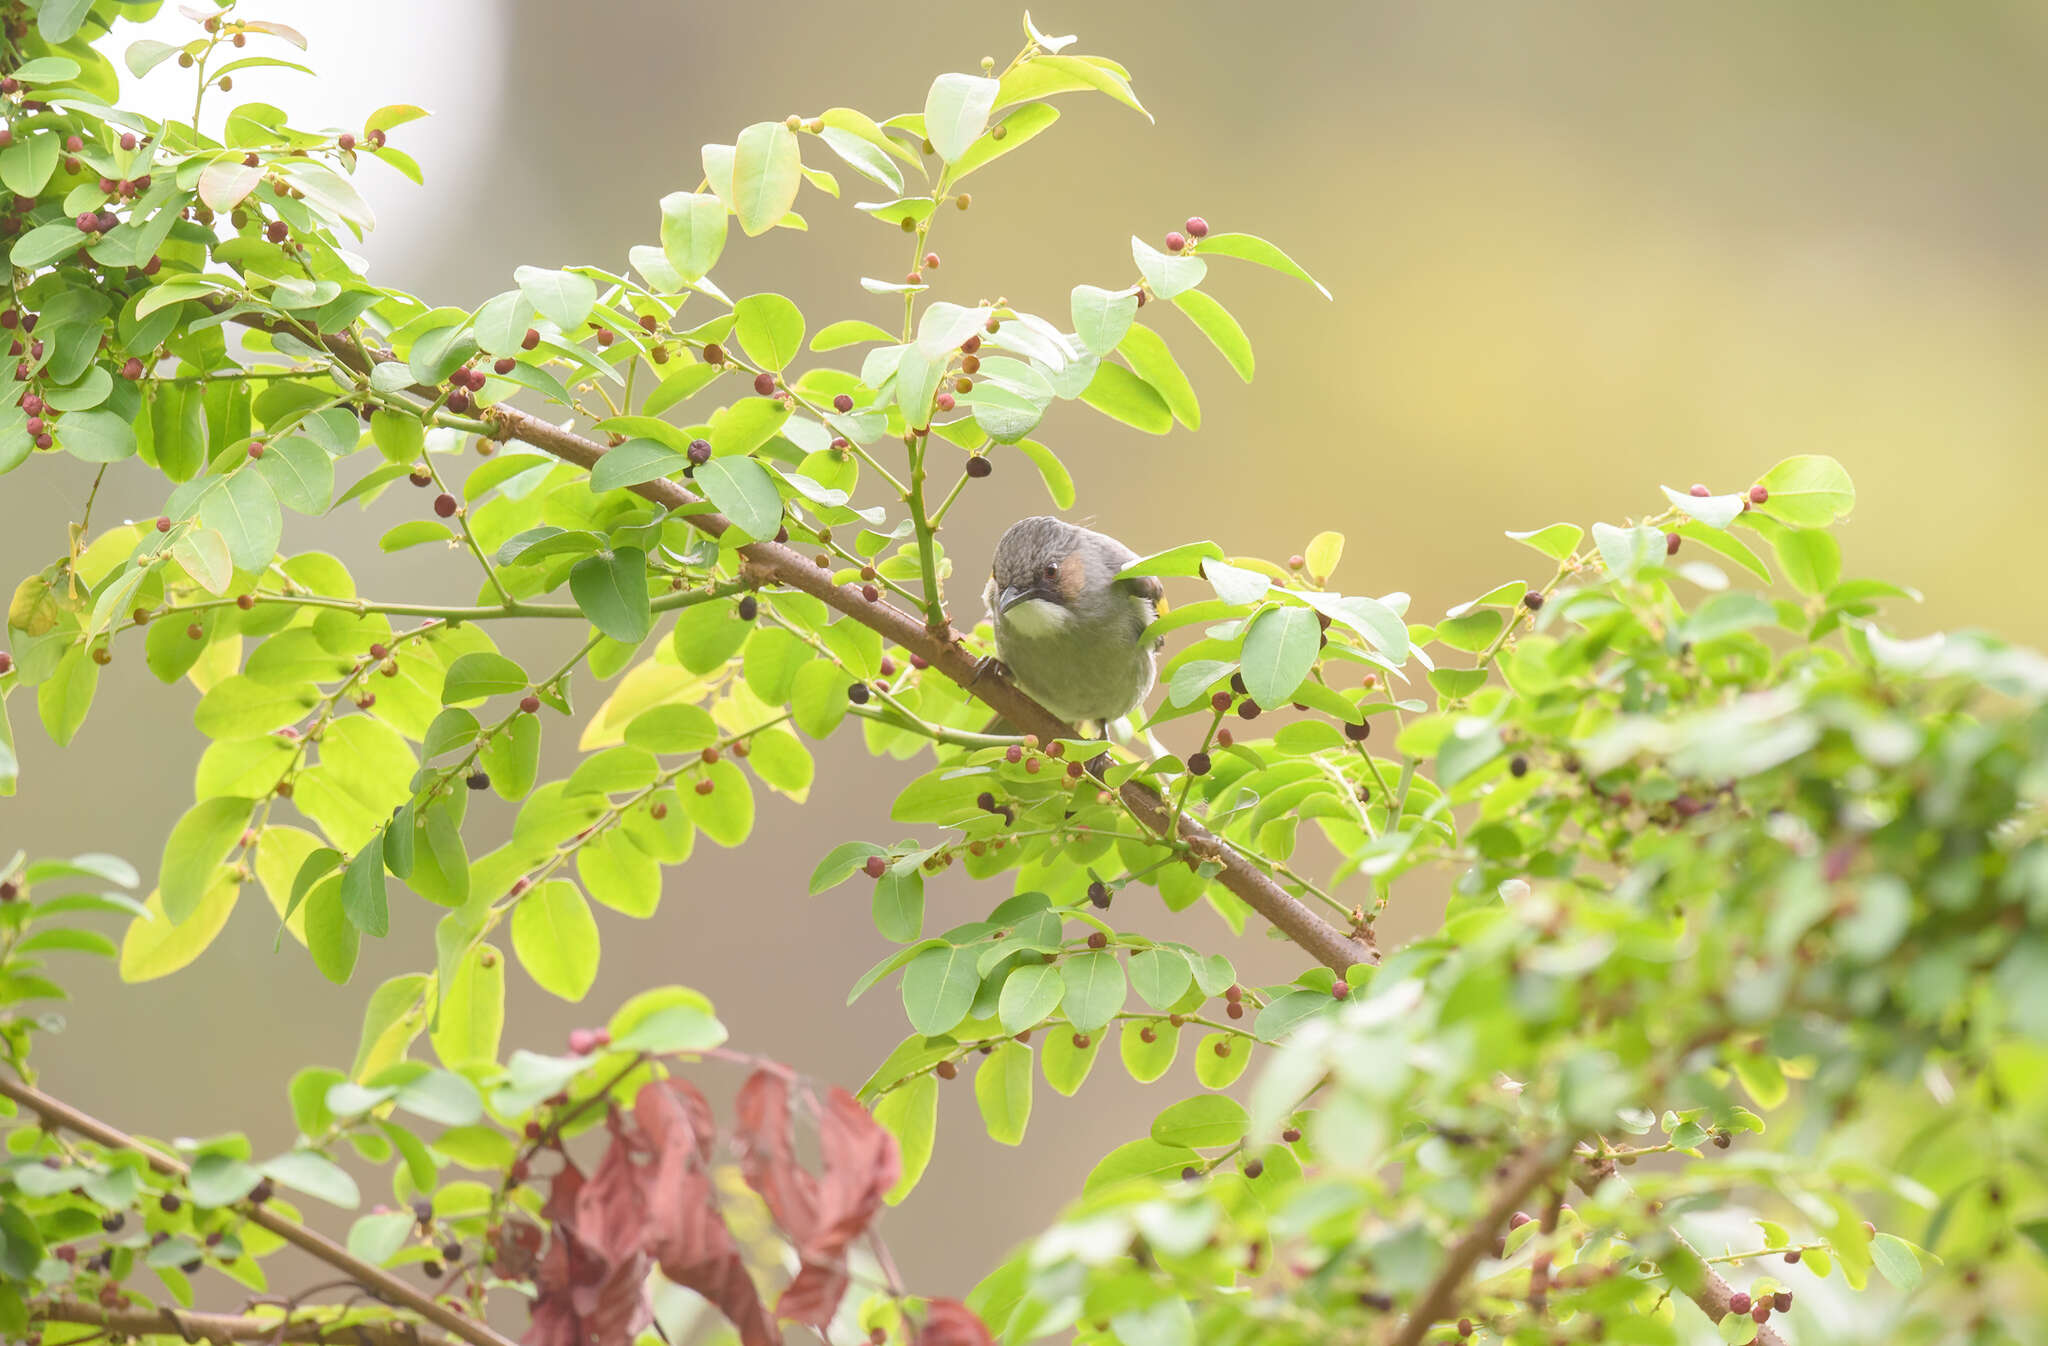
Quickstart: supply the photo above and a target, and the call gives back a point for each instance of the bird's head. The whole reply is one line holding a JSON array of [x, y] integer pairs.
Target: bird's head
[[1039, 571]]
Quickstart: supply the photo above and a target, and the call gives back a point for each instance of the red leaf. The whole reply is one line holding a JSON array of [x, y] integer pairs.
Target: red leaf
[[813, 1297], [948, 1322], [768, 1156], [684, 1231], [861, 1164]]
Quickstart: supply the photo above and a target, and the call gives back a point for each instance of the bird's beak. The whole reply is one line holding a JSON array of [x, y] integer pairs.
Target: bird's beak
[[1010, 597]]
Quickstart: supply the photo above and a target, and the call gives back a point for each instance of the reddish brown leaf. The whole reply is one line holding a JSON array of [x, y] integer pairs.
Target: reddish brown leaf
[[948, 1322], [768, 1156], [813, 1297], [861, 1164], [684, 1232]]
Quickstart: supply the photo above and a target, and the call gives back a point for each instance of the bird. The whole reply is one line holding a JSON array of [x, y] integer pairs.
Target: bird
[[1069, 626]]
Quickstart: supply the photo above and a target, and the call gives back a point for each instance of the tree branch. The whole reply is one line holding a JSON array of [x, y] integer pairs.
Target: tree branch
[[1538, 1162], [58, 1114], [224, 1328], [773, 563]]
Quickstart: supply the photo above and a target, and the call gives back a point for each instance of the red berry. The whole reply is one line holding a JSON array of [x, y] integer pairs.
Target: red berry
[[1700, 490], [703, 787], [72, 144], [876, 867], [842, 403], [582, 1041], [255, 448], [1758, 494], [458, 401], [971, 345], [931, 261], [445, 505], [1098, 940], [1739, 1302], [1197, 227], [505, 365], [764, 384], [529, 703], [1340, 990], [530, 340], [1176, 241], [163, 523], [1761, 1312], [1671, 541], [944, 401], [946, 1070]]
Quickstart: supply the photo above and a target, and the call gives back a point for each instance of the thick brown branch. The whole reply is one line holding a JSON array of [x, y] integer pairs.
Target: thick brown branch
[[223, 1328], [58, 1114], [777, 564], [772, 563], [1537, 1163]]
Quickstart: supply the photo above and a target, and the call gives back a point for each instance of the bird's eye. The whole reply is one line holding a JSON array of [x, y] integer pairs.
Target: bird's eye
[[1051, 570]]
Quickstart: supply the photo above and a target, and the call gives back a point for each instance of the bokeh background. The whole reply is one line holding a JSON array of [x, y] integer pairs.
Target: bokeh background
[[1578, 249]]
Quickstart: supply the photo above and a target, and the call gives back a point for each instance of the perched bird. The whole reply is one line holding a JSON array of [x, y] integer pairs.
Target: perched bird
[[1068, 629]]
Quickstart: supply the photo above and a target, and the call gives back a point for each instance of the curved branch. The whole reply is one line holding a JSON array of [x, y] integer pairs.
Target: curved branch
[[773, 563], [223, 1329], [60, 1115], [1537, 1163]]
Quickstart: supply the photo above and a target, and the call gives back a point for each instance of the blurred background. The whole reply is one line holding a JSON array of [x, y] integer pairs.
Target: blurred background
[[1578, 250]]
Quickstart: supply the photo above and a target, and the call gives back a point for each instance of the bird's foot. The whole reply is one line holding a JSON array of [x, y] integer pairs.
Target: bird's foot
[[986, 665]]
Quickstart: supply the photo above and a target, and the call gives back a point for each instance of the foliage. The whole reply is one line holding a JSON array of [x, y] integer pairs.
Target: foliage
[[1730, 863]]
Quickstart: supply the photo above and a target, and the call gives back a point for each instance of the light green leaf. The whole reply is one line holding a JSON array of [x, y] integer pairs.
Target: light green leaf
[[770, 329], [693, 232], [1222, 330], [1030, 993], [1808, 491], [1101, 317], [556, 939], [1094, 989], [1148, 355], [956, 112], [745, 493], [611, 588], [938, 988], [563, 297], [481, 674], [1167, 274], [198, 844], [1118, 393], [767, 169], [1207, 1121], [1002, 1089], [1251, 248], [910, 1113]]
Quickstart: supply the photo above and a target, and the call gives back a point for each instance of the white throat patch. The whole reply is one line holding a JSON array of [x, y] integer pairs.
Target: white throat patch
[[1036, 617]]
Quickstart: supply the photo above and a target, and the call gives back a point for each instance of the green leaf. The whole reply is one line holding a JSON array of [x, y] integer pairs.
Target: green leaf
[[866, 160], [1896, 1261], [956, 112], [767, 169], [399, 437], [1811, 560], [1030, 993], [770, 329], [198, 844], [513, 758], [1118, 393], [1167, 274], [1204, 1122], [1002, 1089], [1279, 650], [938, 988], [1059, 483], [1557, 541], [899, 905], [332, 939], [1251, 248], [1094, 989], [910, 1113], [634, 462], [98, 436], [611, 589], [563, 297], [745, 493], [1101, 317], [1160, 977], [1146, 351], [376, 1239], [300, 474], [220, 1180], [316, 1175], [556, 939], [1139, 1161], [1066, 1064], [849, 332], [243, 510], [1147, 1061], [475, 676], [363, 898], [1223, 331], [1221, 1071], [1808, 491], [1014, 130], [692, 232]]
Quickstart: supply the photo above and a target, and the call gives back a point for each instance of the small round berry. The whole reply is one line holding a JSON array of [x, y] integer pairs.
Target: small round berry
[[869, 593], [1533, 601], [979, 466], [477, 780], [1291, 1135], [699, 452], [1247, 709], [1671, 541], [1148, 1034], [858, 694], [1340, 990], [1098, 893], [1758, 495], [1760, 1312], [1197, 227], [163, 523], [944, 401], [458, 402], [1360, 732], [1223, 1049], [529, 703], [1175, 241], [169, 1203], [1098, 940], [1198, 763], [1739, 1302], [277, 231], [1518, 765], [704, 787], [421, 476], [875, 867], [843, 403], [1793, 1256], [505, 364], [530, 340], [764, 384], [748, 607], [245, 601], [1235, 1009], [445, 505], [1081, 1040], [1782, 1301], [1254, 1168], [945, 1070]]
